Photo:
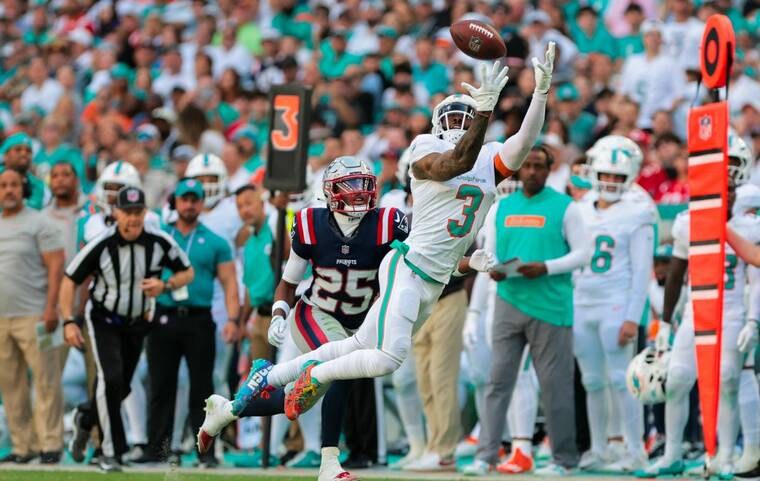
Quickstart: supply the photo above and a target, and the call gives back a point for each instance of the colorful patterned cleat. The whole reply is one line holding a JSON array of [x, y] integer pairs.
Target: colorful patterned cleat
[[305, 394], [256, 384], [659, 468]]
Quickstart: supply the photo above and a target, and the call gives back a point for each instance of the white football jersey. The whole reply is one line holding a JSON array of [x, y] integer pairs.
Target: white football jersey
[[96, 223], [224, 221], [735, 275], [607, 278], [446, 216]]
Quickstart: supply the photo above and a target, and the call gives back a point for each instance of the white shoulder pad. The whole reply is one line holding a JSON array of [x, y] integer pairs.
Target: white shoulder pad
[[747, 226], [426, 144], [640, 213]]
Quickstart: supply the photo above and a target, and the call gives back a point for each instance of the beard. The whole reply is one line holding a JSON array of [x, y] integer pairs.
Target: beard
[[189, 217]]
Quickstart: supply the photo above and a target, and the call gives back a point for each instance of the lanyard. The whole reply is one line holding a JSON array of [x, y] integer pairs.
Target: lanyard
[[190, 240]]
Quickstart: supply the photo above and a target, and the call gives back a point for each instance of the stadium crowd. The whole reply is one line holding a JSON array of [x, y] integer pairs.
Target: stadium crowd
[[96, 96]]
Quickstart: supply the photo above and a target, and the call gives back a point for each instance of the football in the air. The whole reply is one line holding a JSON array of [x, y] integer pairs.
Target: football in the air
[[478, 40]]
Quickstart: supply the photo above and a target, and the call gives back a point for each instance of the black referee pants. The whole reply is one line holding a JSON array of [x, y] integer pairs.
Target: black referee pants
[[116, 348], [178, 332]]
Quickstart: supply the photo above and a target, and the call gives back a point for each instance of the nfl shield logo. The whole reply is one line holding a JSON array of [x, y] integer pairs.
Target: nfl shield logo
[[344, 249], [133, 195], [475, 43], [705, 127]]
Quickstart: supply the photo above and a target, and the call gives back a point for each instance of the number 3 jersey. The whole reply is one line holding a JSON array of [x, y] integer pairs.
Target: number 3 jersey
[[608, 277], [344, 269], [447, 215], [735, 278]]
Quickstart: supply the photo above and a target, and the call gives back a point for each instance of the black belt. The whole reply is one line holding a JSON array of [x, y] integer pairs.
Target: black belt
[[101, 313], [184, 311]]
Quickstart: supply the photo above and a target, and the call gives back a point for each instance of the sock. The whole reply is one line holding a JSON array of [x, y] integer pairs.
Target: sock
[[330, 465], [749, 405], [410, 410], [614, 417], [676, 417], [728, 420], [524, 445], [633, 422], [333, 410], [596, 403], [274, 404], [311, 427], [363, 363]]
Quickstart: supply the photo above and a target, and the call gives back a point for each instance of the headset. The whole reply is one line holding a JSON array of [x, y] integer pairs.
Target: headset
[[26, 187]]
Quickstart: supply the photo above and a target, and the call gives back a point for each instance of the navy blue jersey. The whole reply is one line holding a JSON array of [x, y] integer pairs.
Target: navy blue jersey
[[345, 268]]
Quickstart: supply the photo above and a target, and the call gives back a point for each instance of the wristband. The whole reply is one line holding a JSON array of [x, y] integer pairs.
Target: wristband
[[282, 305], [70, 320]]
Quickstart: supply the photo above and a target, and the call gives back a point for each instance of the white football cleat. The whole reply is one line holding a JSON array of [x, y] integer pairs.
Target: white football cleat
[[331, 470], [432, 462], [218, 416], [478, 467], [412, 456], [628, 464], [592, 461]]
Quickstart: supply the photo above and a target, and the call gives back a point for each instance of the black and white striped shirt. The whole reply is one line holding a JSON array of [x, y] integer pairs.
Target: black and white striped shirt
[[120, 266]]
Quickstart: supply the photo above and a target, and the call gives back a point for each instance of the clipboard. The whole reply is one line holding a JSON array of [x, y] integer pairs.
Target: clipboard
[[509, 268]]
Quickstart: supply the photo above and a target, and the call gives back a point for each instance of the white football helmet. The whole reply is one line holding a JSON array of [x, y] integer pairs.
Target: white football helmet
[[738, 149], [213, 166], [445, 125], [646, 375], [349, 187], [617, 155], [119, 173]]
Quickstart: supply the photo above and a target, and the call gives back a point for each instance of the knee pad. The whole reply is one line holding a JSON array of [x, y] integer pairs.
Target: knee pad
[[617, 380], [593, 381], [680, 379], [385, 363], [398, 349]]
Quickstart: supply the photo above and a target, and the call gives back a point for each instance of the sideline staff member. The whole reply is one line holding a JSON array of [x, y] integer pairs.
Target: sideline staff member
[[125, 261], [184, 326]]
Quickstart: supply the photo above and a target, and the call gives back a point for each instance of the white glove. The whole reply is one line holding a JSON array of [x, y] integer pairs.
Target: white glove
[[543, 71], [747, 336], [482, 261], [492, 83], [470, 333], [662, 341], [277, 329]]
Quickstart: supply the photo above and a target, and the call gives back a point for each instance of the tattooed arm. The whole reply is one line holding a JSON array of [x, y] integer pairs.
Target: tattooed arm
[[447, 165]]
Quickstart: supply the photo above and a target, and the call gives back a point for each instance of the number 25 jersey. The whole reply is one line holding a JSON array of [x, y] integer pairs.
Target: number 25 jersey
[[448, 215], [344, 281]]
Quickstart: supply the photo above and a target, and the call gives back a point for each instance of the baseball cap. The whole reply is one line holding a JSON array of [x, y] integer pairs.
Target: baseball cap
[[130, 198], [183, 152], [19, 138], [538, 16], [386, 31], [567, 92], [651, 26], [189, 186], [147, 132], [247, 132]]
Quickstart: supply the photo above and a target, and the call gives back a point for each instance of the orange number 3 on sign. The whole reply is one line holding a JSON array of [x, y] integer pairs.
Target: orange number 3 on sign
[[286, 137]]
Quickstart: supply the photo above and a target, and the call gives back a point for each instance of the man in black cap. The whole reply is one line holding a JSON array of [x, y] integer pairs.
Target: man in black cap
[[125, 261]]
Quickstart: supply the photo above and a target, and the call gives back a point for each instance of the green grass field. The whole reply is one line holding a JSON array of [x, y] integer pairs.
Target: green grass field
[[167, 476]]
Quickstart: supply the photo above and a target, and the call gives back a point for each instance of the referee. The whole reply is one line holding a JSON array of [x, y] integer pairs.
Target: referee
[[125, 261]]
